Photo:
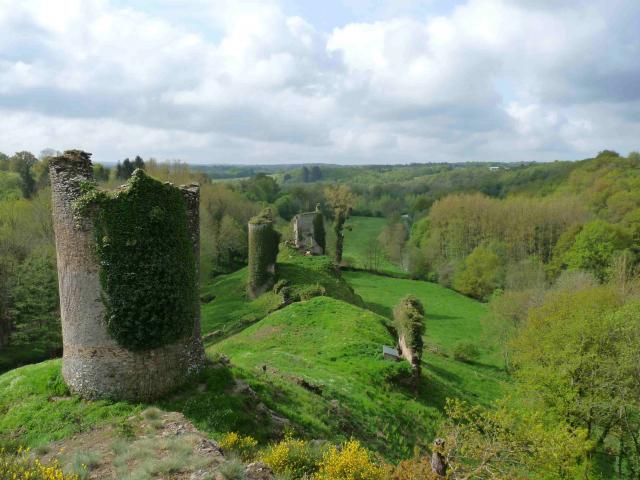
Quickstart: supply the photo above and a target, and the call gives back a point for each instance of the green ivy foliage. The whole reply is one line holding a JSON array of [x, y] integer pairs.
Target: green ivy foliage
[[319, 233], [148, 272], [409, 319], [264, 243]]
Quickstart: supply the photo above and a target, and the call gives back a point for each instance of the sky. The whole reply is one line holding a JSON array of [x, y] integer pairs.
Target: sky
[[333, 81]]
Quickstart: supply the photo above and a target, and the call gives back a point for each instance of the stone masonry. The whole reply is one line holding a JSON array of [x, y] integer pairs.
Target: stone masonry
[[94, 365]]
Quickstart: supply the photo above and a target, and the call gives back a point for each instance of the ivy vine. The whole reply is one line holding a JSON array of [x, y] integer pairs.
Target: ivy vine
[[146, 258]]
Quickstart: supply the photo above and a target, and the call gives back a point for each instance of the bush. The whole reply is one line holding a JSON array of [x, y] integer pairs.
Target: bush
[[466, 352], [292, 457], [243, 446], [350, 462], [22, 466], [413, 469], [481, 274], [233, 470]]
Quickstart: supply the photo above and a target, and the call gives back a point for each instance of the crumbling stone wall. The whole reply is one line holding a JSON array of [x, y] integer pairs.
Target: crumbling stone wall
[[96, 365], [409, 322], [263, 251], [309, 232]]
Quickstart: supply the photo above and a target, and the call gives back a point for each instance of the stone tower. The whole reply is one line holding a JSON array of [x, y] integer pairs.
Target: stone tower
[[263, 251], [95, 363]]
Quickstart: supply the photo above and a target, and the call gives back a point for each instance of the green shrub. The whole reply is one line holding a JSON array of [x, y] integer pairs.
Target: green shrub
[[23, 466], [293, 457], [232, 470], [350, 462], [466, 352], [243, 446]]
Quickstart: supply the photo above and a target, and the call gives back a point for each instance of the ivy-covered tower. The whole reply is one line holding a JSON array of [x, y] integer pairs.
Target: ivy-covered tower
[[128, 280], [264, 242]]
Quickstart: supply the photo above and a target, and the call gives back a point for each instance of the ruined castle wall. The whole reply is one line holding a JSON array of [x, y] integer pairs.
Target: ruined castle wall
[[409, 322], [94, 365], [305, 227]]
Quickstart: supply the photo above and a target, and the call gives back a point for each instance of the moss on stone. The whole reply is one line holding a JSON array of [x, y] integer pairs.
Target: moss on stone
[[263, 252], [147, 262], [409, 320], [319, 233]]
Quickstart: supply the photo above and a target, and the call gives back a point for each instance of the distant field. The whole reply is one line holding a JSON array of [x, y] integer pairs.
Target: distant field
[[450, 316], [360, 236]]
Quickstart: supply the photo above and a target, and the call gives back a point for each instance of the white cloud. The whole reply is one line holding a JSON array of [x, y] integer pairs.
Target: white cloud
[[490, 79]]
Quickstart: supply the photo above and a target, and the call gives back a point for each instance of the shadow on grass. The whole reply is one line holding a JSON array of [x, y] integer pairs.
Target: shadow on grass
[[213, 403], [380, 309]]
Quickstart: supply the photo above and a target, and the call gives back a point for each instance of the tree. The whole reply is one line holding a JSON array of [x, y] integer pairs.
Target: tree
[[5, 318], [393, 239], [595, 247], [138, 162], [100, 172], [127, 169], [510, 441], [481, 273], [22, 162], [4, 162], [341, 201], [305, 174], [577, 358], [35, 308], [315, 174], [286, 207], [261, 188]]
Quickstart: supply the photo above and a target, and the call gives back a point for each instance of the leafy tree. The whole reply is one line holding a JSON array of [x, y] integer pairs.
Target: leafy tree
[[305, 174], [481, 273], [341, 200], [100, 172], [510, 441], [22, 163], [595, 247], [393, 239], [126, 169], [5, 318], [577, 357], [4, 162], [261, 188], [286, 207], [315, 174], [35, 308], [138, 162]]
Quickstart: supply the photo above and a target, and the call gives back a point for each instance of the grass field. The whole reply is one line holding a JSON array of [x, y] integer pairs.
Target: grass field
[[450, 317], [360, 237]]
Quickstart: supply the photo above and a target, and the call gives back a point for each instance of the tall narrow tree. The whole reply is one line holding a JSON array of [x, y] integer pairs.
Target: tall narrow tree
[[341, 200]]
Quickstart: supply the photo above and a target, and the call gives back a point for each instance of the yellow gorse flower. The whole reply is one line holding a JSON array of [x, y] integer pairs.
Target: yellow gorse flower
[[21, 466]]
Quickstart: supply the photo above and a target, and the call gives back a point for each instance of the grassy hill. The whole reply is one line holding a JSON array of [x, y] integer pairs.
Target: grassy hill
[[361, 234], [314, 366], [226, 309]]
